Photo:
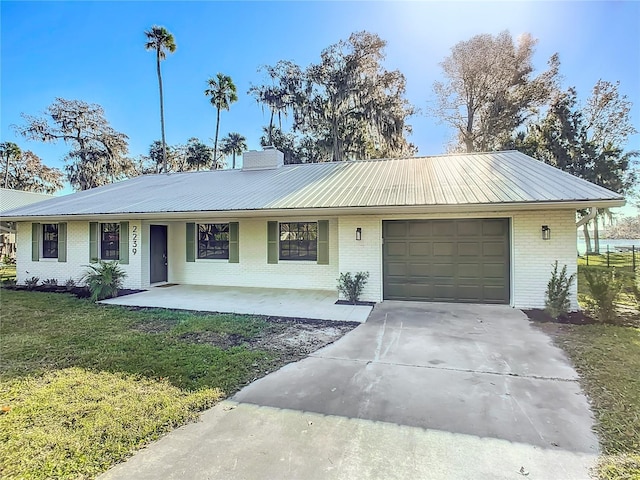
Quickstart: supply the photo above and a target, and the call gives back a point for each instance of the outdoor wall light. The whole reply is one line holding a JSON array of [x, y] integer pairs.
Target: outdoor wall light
[[358, 234], [546, 232]]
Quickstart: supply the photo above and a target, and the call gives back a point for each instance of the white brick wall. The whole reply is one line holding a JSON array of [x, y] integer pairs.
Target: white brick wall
[[253, 269], [77, 257], [531, 257], [364, 255]]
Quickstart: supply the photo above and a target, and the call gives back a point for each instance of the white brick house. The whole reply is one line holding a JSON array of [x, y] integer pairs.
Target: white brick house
[[480, 228]]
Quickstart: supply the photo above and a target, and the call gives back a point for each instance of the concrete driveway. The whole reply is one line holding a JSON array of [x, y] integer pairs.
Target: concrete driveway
[[420, 391]]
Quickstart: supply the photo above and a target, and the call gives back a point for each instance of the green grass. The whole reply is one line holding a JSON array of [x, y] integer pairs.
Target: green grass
[[7, 272], [608, 360], [87, 384], [74, 423]]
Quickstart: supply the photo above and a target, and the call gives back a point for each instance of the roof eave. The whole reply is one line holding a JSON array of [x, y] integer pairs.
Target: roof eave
[[333, 211]]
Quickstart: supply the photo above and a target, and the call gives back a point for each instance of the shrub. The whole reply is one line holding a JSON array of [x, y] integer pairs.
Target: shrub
[[70, 283], [50, 282], [351, 286], [557, 301], [604, 288], [7, 260], [104, 279], [32, 282]]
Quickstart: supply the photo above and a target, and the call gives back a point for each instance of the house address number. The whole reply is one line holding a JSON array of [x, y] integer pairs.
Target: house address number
[[134, 239]]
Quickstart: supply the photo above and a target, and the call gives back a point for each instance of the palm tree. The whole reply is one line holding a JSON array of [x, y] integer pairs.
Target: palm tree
[[197, 154], [233, 144], [160, 40], [222, 91]]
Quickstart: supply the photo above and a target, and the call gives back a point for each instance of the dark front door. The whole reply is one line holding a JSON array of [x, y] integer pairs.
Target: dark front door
[[462, 260], [158, 253]]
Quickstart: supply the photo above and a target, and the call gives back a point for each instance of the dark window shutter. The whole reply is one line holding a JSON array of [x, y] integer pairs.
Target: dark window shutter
[[191, 242], [35, 242], [323, 242], [272, 242], [124, 243], [93, 241], [234, 242], [62, 242]]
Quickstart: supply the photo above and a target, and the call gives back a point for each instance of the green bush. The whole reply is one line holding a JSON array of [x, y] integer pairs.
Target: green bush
[[604, 288], [351, 286], [50, 282], [104, 279], [557, 301]]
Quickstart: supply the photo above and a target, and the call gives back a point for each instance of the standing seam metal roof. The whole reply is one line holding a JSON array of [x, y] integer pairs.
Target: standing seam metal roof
[[457, 179]]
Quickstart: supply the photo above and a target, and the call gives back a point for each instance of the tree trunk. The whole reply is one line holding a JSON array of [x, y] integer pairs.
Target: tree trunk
[[468, 135], [587, 238], [337, 157], [270, 130], [234, 160], [596, 237], [215, 143], [6, 172], [164, 144]]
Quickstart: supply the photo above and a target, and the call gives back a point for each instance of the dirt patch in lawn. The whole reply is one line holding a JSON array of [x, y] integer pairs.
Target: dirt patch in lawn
[[290, 339]]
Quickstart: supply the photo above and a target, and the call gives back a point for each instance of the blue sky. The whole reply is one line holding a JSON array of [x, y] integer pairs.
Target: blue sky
[[94, 51]]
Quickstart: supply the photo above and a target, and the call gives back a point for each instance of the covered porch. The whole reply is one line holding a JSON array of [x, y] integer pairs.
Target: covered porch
[[316, 304]]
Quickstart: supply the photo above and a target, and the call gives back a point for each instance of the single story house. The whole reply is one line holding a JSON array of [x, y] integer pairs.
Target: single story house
[[9, 200], [478, 228]]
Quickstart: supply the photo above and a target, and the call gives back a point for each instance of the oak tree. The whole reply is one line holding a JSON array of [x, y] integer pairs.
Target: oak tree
[[98, 154], [24, 170], [489, 89]]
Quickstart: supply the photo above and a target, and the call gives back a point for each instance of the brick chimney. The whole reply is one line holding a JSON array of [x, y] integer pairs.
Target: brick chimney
[[268, 158]]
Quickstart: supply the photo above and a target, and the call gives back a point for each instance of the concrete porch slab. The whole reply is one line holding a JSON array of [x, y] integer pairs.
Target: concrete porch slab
[[318, 304]]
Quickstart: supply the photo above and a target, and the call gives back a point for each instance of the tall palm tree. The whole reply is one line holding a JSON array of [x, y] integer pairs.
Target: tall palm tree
[[233, 144], [222, 91], [161, 41]]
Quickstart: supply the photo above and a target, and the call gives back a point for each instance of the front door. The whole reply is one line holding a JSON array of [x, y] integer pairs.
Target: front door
[[158, 253]]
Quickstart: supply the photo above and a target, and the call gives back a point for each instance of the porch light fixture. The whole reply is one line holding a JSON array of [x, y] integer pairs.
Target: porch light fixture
[[358, 234], [546, 232]]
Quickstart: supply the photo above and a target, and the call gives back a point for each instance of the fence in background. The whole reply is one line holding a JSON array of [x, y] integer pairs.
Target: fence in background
[[621, 256]]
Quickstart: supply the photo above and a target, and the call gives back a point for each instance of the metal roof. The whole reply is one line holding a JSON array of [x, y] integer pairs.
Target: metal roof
[[10, 199], [458, 180]]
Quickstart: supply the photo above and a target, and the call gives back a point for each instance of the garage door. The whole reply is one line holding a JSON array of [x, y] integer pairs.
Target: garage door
[[447, 260]]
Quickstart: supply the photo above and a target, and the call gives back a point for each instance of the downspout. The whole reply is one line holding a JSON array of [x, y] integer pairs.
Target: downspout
[[587, 218]]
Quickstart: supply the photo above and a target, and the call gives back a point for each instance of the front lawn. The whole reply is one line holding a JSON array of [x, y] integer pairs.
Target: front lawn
[[7, 273], [82, 386], [608, 360]]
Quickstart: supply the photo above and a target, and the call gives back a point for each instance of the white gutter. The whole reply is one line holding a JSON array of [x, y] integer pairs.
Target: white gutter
[[587, 218]]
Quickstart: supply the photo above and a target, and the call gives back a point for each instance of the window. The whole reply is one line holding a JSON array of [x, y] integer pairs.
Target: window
[[49, 240], [213, 241], [299, 241], [109, 241]]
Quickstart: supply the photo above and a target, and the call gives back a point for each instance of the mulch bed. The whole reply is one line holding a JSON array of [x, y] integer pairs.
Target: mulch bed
[[572, 318], [79, 292], [347, 302]]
